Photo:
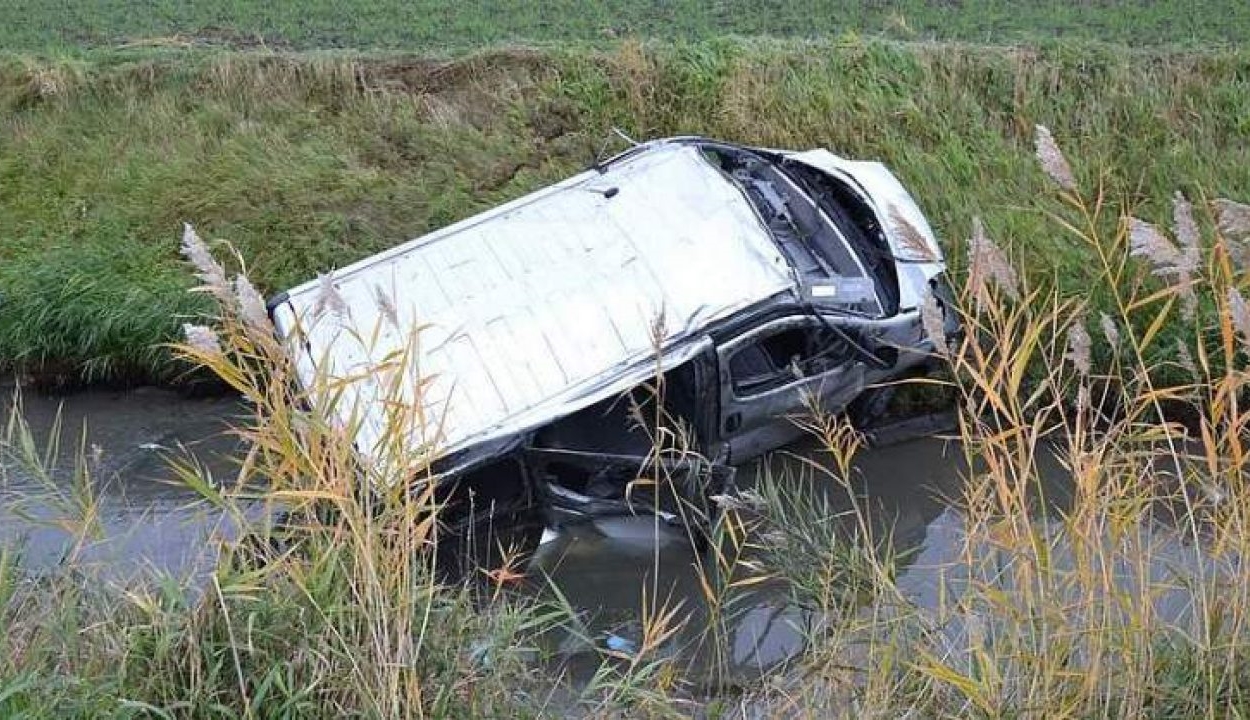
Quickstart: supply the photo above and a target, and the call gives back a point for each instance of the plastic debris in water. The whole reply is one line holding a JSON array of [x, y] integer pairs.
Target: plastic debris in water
[[481, 653], [616, 643]]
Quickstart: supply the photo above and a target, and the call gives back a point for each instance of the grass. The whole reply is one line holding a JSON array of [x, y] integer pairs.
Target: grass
[[1125, 598], [310, 161], [426, 26]]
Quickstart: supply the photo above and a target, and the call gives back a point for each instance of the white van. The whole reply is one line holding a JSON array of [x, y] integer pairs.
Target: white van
[[752, 282]]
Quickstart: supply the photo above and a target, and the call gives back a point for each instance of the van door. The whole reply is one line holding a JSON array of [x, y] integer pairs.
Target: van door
[[770, 377]]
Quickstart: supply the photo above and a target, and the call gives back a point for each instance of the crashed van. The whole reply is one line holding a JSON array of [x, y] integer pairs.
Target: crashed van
[[653, 321]]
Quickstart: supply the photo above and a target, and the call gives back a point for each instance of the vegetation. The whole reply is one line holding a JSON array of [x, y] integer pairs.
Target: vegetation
[[433, 26], [310, 161], [1125, 597], [1097, 303]]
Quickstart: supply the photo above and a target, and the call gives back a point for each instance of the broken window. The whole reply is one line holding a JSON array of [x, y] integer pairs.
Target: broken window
[[784, 357]]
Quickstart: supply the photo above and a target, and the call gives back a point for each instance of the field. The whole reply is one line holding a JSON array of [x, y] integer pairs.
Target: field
[[311, 136], [439, 28]]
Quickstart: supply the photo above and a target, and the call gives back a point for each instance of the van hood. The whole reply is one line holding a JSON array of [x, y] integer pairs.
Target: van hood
[[894, 206]]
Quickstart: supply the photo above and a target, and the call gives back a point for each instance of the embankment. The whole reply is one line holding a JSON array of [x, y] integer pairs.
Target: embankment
[[308, 161]]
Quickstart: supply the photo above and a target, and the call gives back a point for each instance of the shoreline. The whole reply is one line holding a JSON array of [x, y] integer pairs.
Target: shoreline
[[405, 144]]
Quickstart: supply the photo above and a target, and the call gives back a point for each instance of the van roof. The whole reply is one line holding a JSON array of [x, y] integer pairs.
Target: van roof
[[544, 305]]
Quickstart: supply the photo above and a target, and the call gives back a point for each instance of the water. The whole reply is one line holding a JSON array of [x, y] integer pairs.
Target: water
[[904, 491], [145, 519], [148, 522]]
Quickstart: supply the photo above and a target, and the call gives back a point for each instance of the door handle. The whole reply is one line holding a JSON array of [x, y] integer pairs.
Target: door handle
[[733, 421]]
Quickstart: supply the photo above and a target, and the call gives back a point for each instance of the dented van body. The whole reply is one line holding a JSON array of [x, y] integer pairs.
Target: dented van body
[[716, 288]]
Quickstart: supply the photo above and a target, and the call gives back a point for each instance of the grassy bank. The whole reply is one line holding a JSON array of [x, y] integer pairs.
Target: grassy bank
[[426, 25], [310, 161]]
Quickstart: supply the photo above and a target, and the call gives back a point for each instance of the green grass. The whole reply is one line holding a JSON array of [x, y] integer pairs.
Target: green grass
[[308, 161], [437, 26]]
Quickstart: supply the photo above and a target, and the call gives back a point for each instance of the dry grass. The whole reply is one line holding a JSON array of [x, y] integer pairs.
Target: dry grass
[[1127, 599]]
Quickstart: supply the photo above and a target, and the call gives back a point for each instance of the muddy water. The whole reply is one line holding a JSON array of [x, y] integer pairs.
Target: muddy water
[[612, 569], [147, 521], [144, 519], [604, 570]]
